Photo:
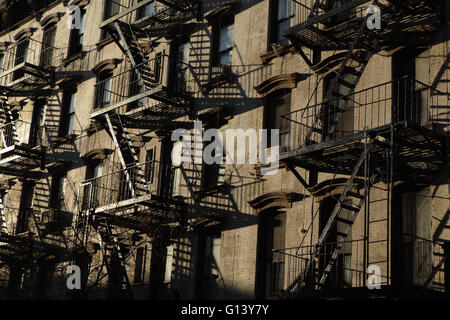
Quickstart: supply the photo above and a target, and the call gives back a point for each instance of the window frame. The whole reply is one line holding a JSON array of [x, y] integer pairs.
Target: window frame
[[67, 114], [217, 28], [102, 79], [49, 35], [270, 115], [76, 36], [276, 21]]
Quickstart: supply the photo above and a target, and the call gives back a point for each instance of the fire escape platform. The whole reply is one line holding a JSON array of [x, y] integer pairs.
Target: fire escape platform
[[159, 22], [171, 104], [142, 212], [18, 160], [417, 23], [16, 249], [418, 154]]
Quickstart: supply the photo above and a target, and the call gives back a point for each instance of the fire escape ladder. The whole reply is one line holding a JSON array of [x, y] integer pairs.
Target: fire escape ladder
[[129, 147], [347, 77], [132, 48], [7, 115], [10, 136], [109, 236], [342, 203], [3, 227], [113, 130]]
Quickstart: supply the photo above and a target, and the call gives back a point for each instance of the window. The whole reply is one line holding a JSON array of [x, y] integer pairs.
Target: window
[[342, 270], [48, 42], [169, 261], [58, 191], [111, 8], [214, 174], [139, 266], [135, 87], [91, 189], [20, 57], [2, 58], [278, 104], [270, 265], [283, 18], [225, 45], [145, 11], [150, 165], [77, 35], [67, 114], [176, 161], [183, 65], [212, 274], [103, 89], [37, 123], [26, 203]]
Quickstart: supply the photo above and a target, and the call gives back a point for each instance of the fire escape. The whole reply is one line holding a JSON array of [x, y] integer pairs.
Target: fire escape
[[139, 198], [369, 136], [27, 72]]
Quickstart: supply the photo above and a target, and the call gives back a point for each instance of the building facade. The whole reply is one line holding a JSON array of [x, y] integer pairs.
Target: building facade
[[93, 90]]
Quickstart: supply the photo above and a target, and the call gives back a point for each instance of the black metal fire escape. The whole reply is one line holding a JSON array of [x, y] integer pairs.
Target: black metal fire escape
[[356, 44]]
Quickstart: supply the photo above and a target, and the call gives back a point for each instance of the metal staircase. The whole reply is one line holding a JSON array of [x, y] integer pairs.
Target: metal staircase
[[127, 154], [343, 83], [347, 194], [8, 136], [112, 249], [3, 226]]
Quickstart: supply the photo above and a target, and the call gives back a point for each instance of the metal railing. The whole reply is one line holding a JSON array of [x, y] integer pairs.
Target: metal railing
[[141, 11], [422, 266], [115, 187], [139, 81], [289, 264], [423, 263], [18, 132], [403, 100], [28, 51]]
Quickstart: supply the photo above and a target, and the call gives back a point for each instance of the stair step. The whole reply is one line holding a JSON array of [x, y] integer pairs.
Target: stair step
[[359, 58], [353, 71], [346, 83], [343, 220], [356, 195], [342, 234], [338, 94], [349, 207]]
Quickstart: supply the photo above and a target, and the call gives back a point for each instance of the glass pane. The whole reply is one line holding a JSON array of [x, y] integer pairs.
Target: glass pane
[[72, 103], [106, 91], [183, 53], [226, 38], [282, 12], [225, 59], [70, 124], [98, 169]]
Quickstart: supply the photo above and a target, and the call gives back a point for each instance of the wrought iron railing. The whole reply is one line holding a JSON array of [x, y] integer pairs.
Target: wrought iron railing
[[164, 13], [424, 262], [133, 87], [128, 184], [19, 132], [28, 51], [289, 265], [403, 100], [423, 266]]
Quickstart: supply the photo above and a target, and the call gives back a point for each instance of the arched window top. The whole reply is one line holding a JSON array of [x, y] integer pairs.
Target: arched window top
[[275, 200], [24, 34], [284, 81], [105, 66], [50, 20]]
